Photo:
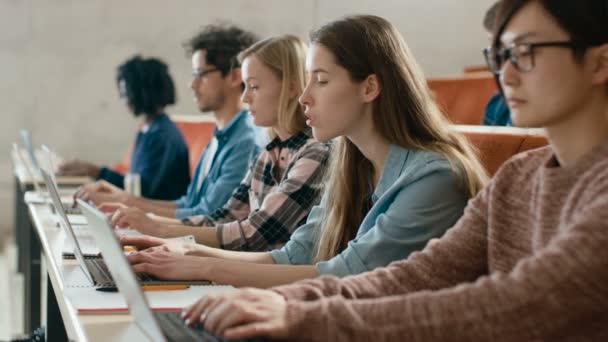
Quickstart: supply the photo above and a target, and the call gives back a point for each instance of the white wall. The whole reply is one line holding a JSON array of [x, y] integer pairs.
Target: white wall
[[58, 58]]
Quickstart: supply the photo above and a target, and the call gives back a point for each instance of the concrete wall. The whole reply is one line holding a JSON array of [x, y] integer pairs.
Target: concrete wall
[[58, 58]]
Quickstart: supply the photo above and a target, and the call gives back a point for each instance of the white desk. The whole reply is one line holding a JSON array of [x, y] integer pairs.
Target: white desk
[[27, 241], [63, 292]]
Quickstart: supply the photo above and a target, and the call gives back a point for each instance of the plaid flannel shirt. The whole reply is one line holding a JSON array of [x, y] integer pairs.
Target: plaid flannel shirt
[[275, 198]]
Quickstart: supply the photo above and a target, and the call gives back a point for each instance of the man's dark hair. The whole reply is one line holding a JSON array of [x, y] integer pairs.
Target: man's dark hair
[[148, 85], [222, 44], [489, 19], [585, 21]]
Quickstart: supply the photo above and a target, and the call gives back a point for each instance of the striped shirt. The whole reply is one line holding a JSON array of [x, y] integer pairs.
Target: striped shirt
[[274, 199]]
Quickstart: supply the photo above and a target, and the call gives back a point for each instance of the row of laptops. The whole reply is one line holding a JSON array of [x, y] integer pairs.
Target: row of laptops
[[114, 270], [158, 326]]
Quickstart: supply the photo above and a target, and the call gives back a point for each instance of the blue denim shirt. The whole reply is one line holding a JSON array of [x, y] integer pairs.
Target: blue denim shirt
[[417, 198], [237, 146], [160, 157]]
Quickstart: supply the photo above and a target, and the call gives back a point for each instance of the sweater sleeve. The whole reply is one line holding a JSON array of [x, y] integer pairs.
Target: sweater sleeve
[[459, 256], [545, 296]]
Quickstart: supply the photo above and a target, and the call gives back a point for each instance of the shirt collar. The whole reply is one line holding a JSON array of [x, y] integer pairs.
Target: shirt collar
[[229, 128], [294, 142], [393, 165], [146, 127]]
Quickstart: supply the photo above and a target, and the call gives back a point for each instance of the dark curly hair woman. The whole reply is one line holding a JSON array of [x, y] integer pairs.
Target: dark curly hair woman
[[160, 154]]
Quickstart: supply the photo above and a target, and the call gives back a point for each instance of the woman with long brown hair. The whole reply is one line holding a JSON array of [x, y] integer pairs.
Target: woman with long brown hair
[[398, 175]]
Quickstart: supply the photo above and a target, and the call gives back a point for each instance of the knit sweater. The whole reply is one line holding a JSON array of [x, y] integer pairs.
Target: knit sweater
[[528, 261]]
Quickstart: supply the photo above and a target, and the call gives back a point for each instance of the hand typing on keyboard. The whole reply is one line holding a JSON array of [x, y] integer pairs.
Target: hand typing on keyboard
[[230, 314]]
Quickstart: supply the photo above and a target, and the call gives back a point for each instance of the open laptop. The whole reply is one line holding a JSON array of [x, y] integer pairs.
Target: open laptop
[[105, 239], [158, 326], [67, 206], [91, 263], [65, 224], [28, 168], [29, 147]]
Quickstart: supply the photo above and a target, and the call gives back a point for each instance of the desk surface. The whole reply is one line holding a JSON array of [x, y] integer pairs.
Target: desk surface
[[70, 286]]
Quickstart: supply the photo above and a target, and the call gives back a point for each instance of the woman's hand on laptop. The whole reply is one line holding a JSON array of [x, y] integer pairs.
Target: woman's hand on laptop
[[169, 266], [150, 244], [141, 242], [101, 191], [111, 207], [135, 218], [241, 314]]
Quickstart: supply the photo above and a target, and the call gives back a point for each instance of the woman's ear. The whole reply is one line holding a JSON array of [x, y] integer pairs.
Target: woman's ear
[[600, 71], [371, 88]]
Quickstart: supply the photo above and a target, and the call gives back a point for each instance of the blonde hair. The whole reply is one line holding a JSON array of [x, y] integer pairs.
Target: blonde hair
[[408, 117], [285, 55]]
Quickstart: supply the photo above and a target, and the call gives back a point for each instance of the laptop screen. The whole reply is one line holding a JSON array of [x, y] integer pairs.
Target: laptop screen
[[65, 223], [27, 143], [121, 271]]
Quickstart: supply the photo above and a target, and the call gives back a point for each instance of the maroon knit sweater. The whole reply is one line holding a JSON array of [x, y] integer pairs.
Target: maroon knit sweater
[[528, 261]]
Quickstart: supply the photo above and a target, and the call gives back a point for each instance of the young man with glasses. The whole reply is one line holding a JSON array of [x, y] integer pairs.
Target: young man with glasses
[[217, 86], [528, 260]]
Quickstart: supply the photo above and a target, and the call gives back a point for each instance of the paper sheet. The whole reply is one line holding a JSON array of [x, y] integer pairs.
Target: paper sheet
[[88, 300]]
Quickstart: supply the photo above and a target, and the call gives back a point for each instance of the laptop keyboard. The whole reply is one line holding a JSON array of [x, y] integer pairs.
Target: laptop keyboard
[[102, 276], [70, 210], [176, 330]]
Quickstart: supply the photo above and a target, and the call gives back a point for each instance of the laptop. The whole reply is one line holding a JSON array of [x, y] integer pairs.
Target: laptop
[[158, 326], [29, 147], [105, 239], [89, 260], [28, 168], [67, 207]]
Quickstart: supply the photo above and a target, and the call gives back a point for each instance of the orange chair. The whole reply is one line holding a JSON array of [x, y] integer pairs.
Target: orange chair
[[464, 98], [197, 131], [495, 145], [475, 68]]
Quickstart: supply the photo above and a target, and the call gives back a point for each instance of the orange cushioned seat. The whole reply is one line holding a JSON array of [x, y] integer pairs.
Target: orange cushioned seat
[[495, 145], [464, 98]]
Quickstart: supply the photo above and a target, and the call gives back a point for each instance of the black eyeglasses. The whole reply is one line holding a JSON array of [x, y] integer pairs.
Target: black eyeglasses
[[520, 54], [199, 74]]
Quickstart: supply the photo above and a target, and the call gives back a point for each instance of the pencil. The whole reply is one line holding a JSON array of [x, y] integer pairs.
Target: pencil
[[164, 287]]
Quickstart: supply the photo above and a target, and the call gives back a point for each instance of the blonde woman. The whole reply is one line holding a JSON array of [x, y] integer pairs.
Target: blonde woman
[[398, 175], [284, 182]]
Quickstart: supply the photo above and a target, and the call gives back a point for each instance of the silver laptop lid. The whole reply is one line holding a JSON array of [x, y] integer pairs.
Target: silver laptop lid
[[27, 143], [121, 271], [28, 169], [48, 163], [65, 223]]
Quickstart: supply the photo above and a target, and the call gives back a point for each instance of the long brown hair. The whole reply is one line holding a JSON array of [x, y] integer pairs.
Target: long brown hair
[[366, 45]]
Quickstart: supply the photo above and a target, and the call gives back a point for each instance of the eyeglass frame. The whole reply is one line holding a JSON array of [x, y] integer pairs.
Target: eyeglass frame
[[531, 47], [199, 75]]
